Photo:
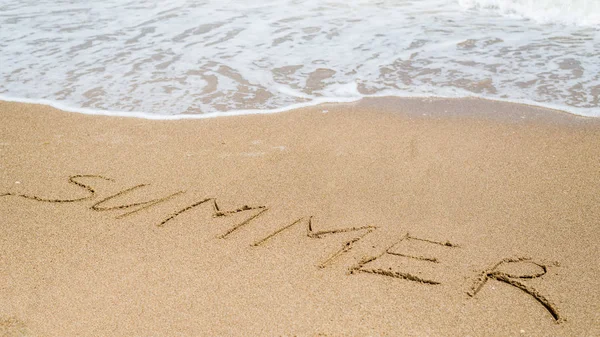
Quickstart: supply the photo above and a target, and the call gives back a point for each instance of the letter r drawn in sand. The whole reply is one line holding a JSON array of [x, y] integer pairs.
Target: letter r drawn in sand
[[515, 280]]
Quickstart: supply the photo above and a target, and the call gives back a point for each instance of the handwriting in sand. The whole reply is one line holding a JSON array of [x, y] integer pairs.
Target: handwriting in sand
[[366, 265]]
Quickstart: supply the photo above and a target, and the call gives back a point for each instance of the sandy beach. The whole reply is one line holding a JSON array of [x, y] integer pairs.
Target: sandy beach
[[386, 217]]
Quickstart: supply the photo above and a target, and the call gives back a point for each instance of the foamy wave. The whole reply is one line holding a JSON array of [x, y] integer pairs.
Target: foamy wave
[[153, 116], [226, 57], [571, 12]]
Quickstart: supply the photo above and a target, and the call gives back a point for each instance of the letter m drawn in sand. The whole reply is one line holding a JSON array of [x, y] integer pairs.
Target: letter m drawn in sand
[[346, 246], [217, 212]]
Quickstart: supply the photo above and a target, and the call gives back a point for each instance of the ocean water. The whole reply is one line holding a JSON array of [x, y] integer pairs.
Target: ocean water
[[190, 58]]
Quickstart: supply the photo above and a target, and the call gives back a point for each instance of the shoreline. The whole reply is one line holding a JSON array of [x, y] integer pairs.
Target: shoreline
[[315, 103], [381, 217]]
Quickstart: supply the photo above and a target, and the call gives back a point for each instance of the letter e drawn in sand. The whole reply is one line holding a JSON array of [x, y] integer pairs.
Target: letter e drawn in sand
[[512, 279], [346, 246], [360, 267]]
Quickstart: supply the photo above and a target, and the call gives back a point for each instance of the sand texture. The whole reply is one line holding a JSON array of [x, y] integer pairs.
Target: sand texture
[[388, 217]]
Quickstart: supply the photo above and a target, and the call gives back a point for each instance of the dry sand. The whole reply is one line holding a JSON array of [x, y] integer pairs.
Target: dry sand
[[393, 217]]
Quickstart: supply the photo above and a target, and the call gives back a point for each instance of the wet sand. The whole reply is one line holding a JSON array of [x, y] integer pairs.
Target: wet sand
[[386, 217]]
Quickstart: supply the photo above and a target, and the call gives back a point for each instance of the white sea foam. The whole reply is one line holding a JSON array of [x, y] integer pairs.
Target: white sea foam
[[185, 58], [569, 12]]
